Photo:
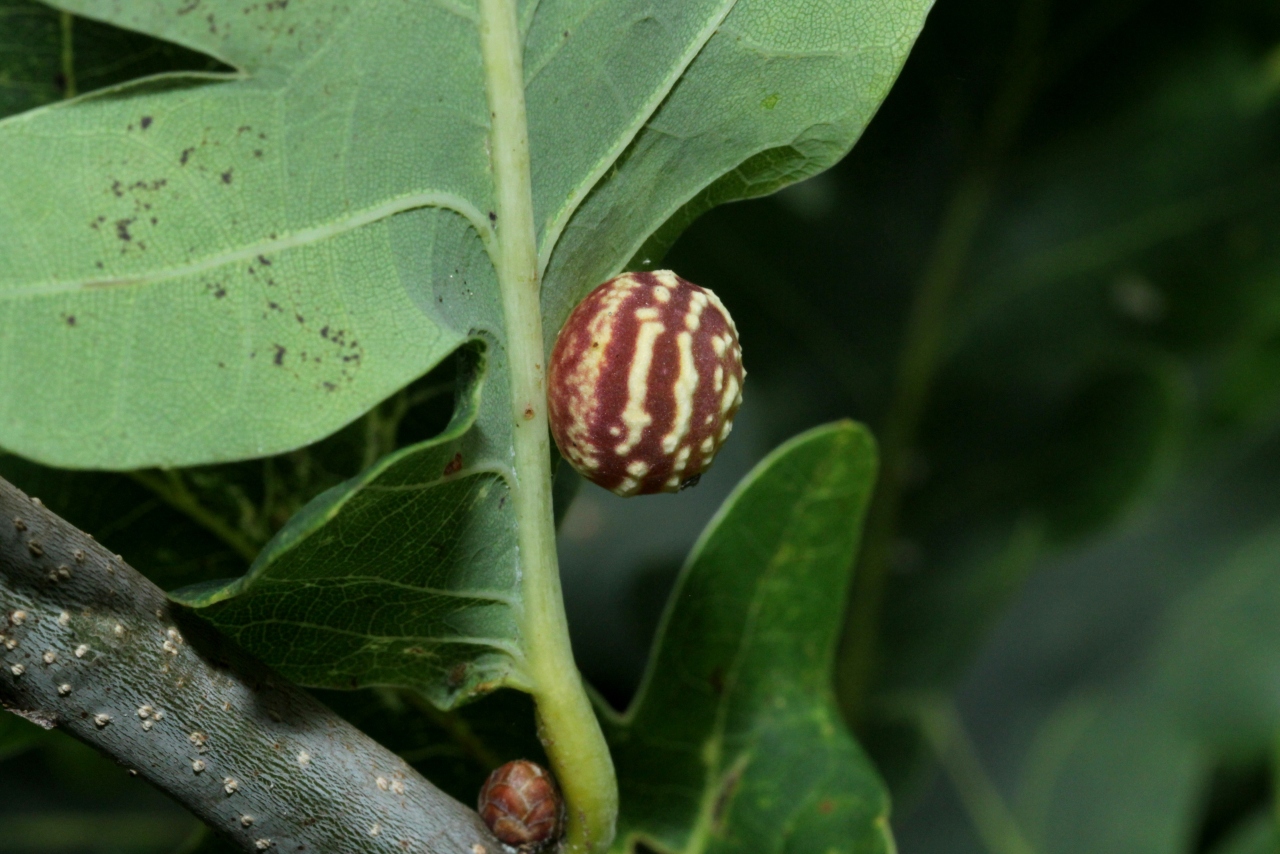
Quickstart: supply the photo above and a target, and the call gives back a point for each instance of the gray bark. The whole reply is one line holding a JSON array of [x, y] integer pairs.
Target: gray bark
[[92, 647]]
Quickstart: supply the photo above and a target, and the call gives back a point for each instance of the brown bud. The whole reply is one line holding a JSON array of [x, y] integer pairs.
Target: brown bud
[[644, 381], [522, 806]]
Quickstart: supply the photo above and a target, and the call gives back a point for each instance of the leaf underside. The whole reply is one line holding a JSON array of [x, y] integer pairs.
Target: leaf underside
[[406, 575], [301, 156], [254, 258]]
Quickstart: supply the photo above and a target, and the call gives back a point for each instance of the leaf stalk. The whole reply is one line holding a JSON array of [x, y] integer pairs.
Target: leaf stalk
[[566, 721]]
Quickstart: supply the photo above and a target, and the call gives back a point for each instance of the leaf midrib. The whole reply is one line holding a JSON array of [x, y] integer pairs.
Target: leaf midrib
[[498, 644]]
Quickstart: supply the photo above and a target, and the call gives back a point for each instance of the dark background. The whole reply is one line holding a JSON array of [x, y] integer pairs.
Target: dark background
[[1049, 278]]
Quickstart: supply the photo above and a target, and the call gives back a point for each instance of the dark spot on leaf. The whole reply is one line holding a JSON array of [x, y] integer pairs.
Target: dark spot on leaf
[[217, 290], [454, 466], [274, 306], [145, 122], [279, 356], [117, 189], [70, 319], [328, 386], [122, 229], [243, 129], [825, 806], [493, 217], [226, 176], [186, 153], [257, 152], [264, 261]]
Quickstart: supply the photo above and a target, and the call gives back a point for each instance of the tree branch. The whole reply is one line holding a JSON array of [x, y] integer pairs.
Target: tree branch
[[90, 646]]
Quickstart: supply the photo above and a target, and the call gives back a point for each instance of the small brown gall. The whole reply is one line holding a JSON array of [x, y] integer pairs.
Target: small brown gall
[[522, 806], [644, 382]]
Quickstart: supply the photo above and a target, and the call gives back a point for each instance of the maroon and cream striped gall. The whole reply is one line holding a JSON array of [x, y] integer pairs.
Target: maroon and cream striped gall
[[522, 805], [644, 381]]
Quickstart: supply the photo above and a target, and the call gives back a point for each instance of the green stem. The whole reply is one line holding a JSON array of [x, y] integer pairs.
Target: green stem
[[459, 730], [916, 366], [921, 348], [992, 819], [567, 723], [169, 487], [68, 55]]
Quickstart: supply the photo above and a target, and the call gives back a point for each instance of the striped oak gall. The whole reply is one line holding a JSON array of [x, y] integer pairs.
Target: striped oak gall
[[644, 381], [522, 805]]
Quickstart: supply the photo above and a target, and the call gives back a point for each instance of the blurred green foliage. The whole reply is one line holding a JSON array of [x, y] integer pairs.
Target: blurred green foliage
[[1049, 278]]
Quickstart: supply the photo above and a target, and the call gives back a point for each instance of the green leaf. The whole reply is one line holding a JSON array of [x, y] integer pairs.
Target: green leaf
[[252, 259], [67, 830], [17, 735], [30, 56], [129, 519], [735, 742], [405, 575], [46, 56]]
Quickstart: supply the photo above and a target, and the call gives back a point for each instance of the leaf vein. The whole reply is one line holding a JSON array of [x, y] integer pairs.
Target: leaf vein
[[302, 237]]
